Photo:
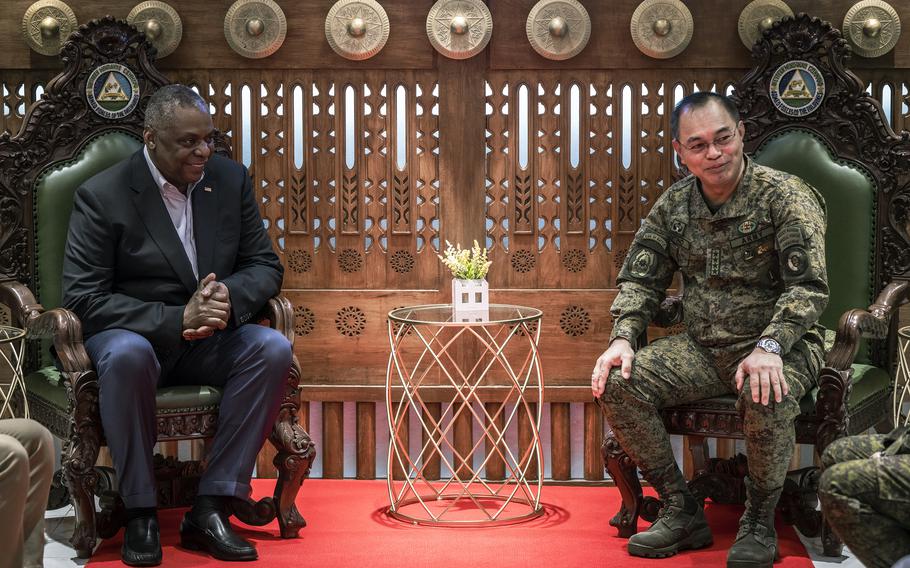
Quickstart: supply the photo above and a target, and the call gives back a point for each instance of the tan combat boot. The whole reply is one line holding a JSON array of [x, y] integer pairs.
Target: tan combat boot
[[680, 525], [756, 542]]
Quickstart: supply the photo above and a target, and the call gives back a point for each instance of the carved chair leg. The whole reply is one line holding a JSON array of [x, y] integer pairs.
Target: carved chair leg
[[625, 476], [78, 464], [699, 453], [296, 452], [80, 477]]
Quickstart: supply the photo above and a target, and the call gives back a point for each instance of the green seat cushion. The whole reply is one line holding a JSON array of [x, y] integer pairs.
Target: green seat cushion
[[850, 199], [45, 384], [54, 191]]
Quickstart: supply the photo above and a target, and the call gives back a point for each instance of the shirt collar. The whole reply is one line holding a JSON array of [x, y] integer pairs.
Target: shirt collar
[[735, 206], [160, 181]]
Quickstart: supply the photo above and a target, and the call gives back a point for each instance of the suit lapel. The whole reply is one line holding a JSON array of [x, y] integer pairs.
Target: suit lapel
[[205, 223], [152, 211]]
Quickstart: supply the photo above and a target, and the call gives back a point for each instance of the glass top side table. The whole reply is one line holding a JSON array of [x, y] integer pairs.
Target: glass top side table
[[12, 350], [435, 357]]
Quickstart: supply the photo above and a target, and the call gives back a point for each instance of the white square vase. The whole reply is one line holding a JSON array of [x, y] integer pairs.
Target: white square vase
[[470, 300]]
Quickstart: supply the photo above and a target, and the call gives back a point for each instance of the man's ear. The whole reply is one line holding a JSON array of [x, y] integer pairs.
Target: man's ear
[[148, 137], [741, 130], [677, 147]]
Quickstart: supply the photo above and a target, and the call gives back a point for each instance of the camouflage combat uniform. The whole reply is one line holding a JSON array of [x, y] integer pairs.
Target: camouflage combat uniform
[[754, 268], [865, 495]]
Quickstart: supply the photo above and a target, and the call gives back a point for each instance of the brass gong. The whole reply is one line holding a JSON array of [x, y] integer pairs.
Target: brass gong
[[357, 29], [47, 24], [758, 16], [558, 29], [459, 29], [160, 23], [661, 28], [872, 27], [255, 28]]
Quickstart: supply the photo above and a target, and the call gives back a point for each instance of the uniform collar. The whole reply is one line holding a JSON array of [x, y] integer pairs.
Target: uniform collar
[[737, 205]]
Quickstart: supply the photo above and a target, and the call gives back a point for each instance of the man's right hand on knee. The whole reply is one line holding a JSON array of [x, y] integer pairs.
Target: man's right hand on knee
[[619, 354]]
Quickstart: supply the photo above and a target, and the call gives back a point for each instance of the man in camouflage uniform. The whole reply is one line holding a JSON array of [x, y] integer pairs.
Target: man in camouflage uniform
[[749, 242], [865, 493]]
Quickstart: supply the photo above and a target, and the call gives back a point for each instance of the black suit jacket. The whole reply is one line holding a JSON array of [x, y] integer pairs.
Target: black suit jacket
[[124, 265]]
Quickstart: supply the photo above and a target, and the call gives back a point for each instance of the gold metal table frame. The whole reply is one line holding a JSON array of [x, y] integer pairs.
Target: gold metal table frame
[[425, 343], [902, 380], [12, 350]]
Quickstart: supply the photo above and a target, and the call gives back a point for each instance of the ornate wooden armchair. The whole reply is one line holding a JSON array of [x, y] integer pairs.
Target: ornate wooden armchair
[[62, 142], [845, 149]]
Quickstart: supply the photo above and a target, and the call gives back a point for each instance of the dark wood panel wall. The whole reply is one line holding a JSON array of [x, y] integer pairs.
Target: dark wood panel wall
[[359, 236]]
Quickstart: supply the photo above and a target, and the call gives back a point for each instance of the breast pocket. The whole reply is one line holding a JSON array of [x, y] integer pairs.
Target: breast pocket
[[754, 253]]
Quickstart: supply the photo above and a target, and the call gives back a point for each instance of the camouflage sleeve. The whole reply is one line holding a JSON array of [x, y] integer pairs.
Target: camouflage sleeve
[[646, 273], [799, 217]]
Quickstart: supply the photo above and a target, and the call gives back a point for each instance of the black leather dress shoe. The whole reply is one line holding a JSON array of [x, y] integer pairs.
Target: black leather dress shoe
[[141, 542], [211, 532]]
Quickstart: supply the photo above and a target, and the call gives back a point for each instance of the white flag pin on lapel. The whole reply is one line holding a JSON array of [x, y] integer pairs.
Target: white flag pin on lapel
[[207, 188]]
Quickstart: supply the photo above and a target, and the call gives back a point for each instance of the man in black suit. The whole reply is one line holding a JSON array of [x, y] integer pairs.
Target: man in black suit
[[166, 261]]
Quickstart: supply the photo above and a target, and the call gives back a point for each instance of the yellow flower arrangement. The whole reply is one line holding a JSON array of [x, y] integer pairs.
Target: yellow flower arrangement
[[466, 264]]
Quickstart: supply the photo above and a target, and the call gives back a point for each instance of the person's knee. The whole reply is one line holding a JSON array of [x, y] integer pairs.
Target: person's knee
[[834, 453], [619, 393], [831, 491], [37, 442], [273, 350], [757, 413], [130, 355], [14, 468]]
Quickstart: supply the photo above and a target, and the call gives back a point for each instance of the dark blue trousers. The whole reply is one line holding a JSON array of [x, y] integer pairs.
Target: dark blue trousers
[[250, 364]]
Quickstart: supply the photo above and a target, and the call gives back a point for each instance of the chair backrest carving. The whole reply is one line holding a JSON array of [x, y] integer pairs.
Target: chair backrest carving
[[58, 127], [806, 113]]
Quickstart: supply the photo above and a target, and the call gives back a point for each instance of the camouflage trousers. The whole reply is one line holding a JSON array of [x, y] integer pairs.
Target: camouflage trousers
[[866, 500], [676, 370]]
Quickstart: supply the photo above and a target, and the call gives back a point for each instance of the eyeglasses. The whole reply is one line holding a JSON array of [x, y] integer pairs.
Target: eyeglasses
[[719, 142]]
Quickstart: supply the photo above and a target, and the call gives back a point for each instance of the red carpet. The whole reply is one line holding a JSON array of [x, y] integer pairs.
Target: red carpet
[[347, 527]]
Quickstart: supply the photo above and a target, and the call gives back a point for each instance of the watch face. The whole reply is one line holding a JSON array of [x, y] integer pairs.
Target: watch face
[[769, 345]]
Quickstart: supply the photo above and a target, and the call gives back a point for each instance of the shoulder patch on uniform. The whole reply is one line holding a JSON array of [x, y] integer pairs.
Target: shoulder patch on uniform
[[791, 236], [643, 263], [654, 240], [678, 227], [796, 262]]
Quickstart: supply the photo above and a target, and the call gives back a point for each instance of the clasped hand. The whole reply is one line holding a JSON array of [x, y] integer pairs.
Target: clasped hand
[[766, 375], [208, 309]]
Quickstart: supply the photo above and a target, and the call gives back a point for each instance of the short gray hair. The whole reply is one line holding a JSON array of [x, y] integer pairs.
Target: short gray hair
[[166, 100]]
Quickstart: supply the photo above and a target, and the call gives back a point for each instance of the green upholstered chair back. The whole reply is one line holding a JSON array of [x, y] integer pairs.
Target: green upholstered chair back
[[54, 190], [850, 197]]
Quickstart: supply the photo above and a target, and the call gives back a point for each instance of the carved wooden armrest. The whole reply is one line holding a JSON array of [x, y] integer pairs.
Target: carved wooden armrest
[[58, 324], [872, 323], [280, 313]]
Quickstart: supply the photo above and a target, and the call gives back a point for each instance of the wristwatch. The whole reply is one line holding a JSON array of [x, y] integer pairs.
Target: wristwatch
[[770, 345]]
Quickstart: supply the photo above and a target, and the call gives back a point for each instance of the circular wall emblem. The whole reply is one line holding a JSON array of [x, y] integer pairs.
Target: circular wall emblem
[[112, 90], [797, 88]]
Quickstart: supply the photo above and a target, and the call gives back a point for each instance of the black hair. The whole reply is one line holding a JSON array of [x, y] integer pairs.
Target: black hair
[[699, 100]]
